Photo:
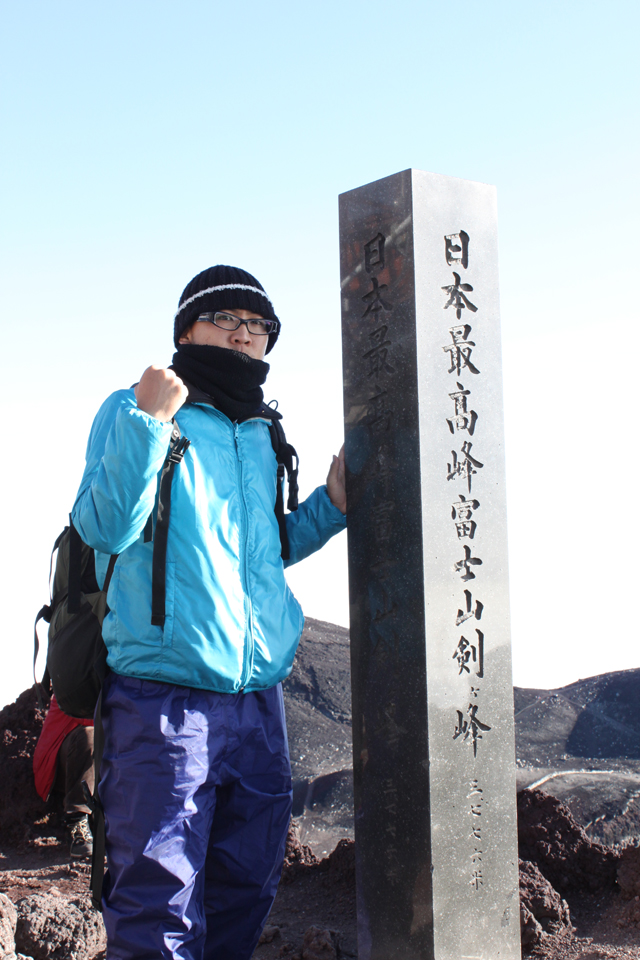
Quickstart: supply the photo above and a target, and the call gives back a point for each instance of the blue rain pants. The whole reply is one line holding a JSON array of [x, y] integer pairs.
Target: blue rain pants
[[196, 788]]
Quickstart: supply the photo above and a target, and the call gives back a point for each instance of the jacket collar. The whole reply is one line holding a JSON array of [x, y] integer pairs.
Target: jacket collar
[[264, 411]]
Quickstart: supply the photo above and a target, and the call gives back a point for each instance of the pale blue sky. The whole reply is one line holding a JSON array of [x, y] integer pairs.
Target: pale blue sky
[[144, 141]]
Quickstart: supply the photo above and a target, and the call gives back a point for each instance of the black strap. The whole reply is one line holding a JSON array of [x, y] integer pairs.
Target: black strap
[[109, 573], [44, 613], [177, 450], [285, 455], [74, 587], [292, 477], [97, 813], [98, 828], [280, 517], [43, 688], [148, 529]]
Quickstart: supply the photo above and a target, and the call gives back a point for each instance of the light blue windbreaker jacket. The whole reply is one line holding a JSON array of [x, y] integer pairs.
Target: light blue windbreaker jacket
[[232, 622]]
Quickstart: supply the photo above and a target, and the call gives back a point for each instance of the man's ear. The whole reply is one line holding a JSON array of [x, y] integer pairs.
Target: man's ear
[[186, 336]]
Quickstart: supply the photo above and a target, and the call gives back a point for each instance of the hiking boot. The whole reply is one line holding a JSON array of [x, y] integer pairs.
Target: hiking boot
[[81, 839]]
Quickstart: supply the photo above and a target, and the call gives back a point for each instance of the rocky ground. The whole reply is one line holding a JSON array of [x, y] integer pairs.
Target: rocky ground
[[579, 828], [314, 916]]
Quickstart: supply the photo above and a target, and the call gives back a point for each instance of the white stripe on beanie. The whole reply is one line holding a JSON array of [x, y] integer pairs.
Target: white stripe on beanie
[[223, 286]]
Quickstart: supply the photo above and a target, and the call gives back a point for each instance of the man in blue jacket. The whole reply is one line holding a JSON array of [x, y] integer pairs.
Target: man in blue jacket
[[196, 781]]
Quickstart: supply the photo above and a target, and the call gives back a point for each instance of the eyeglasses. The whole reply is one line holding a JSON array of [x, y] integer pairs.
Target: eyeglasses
[[226, 321]]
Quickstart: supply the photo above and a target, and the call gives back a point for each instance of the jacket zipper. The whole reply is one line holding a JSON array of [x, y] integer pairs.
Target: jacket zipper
[[244, 563]]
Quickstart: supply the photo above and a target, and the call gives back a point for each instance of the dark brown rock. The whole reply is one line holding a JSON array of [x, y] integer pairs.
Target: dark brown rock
[[319, 945], [20, 805], [544, 905], [298, 857], [54, 928], [550, 837], [531, 933], [342, 861], [8, 920], [269, 934], [629, 873]]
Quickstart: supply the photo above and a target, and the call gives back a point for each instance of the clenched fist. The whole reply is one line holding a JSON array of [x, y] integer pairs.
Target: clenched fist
[[160, 393]]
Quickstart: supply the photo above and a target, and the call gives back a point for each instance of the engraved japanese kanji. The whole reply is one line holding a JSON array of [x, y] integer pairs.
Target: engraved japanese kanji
[[457, 298], [465, 465], [466, 563], [462, 513], [470, 610], [374, 254], [375, 299], [467, 652], [460, 350], [470, 729], [462, 419], [377, 355], [456, 249]]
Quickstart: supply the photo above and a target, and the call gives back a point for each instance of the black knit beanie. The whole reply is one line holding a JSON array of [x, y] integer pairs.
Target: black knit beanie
[[222, 288]]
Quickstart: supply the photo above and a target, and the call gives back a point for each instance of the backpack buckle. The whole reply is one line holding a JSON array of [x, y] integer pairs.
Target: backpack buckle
[[179, 450]]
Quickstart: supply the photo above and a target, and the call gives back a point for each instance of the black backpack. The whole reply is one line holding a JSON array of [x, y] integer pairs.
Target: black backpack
[[76, 654]]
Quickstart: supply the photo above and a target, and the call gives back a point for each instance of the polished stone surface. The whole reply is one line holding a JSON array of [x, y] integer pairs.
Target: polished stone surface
[[433, 737]]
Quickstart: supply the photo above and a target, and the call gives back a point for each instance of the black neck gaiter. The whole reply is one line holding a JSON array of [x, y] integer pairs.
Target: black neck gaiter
[[232, 379]]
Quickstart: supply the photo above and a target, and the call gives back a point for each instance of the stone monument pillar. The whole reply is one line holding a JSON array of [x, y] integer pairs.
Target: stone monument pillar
[[433, 735]]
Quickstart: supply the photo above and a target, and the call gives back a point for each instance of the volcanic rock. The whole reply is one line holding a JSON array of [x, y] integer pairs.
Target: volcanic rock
[[550, 837], [629, 873], [319, 945], [20, 805], [543, 912], [54, 928], [298, 856], [342, 862], [269, 934], [8, 920]]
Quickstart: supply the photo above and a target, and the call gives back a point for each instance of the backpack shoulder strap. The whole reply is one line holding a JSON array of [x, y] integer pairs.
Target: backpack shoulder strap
[[285, 455], [44, 613], [279, 507], [74, 586], [177, 448], [109, 573]]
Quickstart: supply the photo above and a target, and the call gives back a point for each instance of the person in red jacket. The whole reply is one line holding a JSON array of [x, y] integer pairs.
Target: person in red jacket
[[63, 758]]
